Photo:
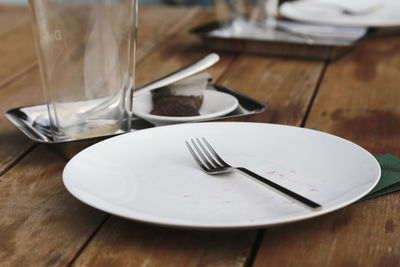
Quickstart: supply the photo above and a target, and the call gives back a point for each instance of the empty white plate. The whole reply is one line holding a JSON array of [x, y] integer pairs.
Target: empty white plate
[[215, 104], [150, 176], [385, 15]]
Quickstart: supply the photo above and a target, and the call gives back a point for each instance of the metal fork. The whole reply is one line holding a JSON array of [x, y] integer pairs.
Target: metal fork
[[212, 163]]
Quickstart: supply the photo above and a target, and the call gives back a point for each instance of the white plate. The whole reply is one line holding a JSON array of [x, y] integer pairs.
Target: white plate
[[215, 104], [150, 176], [387, 15]]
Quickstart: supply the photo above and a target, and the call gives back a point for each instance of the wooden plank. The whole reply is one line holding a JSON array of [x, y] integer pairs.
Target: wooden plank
[[179, 50], [154, 26], [285, 85], [358, 100], [12, 16], [17, 51], [23, 92], [359, 235], [127, 243], [41, 223], [17, 48], [121, 242]]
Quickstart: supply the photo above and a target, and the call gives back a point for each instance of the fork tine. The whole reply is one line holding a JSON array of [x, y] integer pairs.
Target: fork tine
[[215, 153], [196, 158], [204, 159], [210, 158]]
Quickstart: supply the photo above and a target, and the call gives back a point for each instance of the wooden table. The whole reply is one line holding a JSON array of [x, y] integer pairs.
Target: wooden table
[[356, 97]]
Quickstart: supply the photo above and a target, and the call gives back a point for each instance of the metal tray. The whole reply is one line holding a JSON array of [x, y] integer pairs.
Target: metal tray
[[25, 118], [285, 43]]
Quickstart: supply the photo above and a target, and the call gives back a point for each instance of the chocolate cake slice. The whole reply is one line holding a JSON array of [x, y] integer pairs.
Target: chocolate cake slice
[[165, 103]]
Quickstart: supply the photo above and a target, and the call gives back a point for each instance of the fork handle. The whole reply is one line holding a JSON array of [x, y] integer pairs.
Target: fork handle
[[281, 189]]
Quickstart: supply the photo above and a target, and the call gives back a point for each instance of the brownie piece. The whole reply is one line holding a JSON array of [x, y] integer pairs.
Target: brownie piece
[[167, 104]]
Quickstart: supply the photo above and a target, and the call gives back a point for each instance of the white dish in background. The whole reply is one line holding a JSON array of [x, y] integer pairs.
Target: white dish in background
[[249, 30], [215, 104], [385, 15], [150, 176]]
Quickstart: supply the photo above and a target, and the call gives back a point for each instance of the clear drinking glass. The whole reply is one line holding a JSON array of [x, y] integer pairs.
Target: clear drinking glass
[[245, 18], [86, 52]]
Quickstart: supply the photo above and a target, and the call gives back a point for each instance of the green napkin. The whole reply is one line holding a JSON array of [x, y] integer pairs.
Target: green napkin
[[390, 176]]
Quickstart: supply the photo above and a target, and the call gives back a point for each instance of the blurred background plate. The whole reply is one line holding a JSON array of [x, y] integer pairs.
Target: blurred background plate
[[386, 15]]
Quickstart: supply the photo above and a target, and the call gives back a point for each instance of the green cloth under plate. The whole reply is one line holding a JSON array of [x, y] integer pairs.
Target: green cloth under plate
[[390, 177]]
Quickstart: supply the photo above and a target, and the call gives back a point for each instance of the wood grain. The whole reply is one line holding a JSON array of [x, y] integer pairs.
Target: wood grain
[[358, 100], [180, 50], [127, 243], [285, 85], [359, 97], [359, 235], [12, 16], [155, 25], [41, 223], [24, 91], [17, 51]]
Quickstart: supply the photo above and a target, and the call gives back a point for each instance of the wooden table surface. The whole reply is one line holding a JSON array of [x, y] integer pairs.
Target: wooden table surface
[[356, 97]]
